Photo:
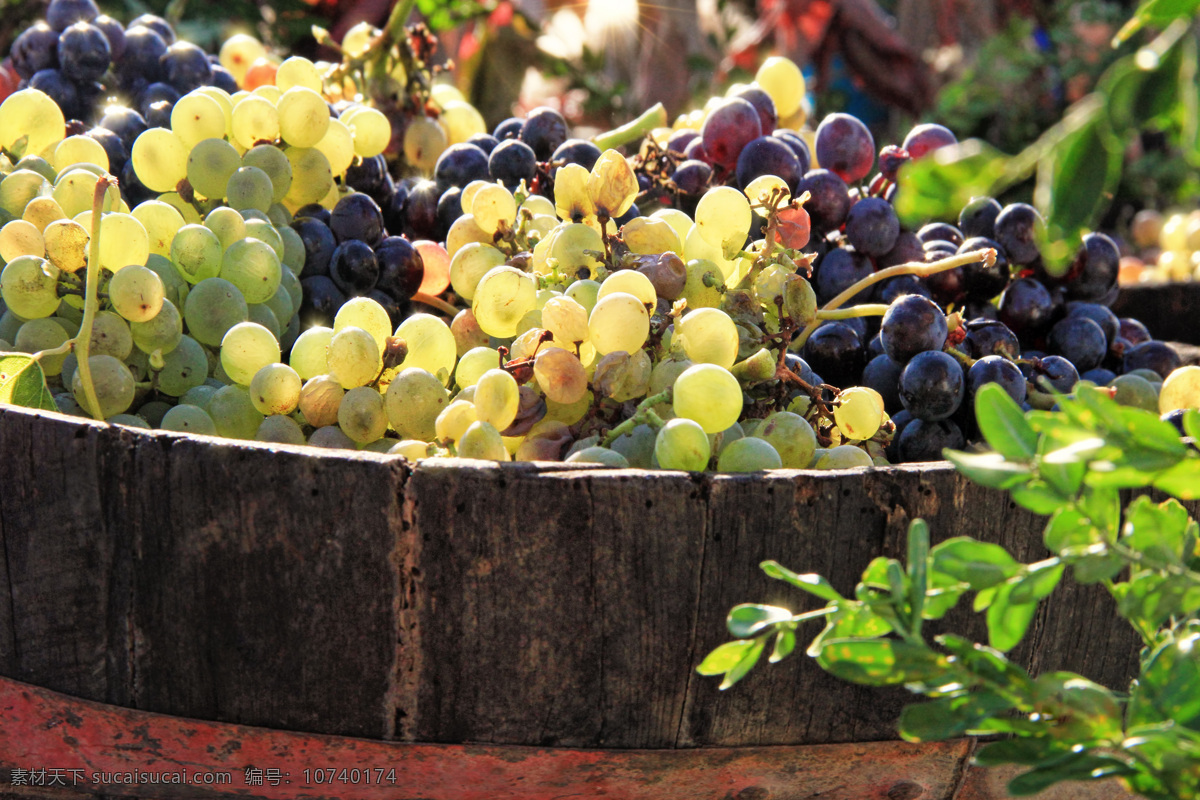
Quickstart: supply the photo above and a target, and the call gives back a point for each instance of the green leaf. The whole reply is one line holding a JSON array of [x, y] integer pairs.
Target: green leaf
[[1156, 14], [879, 662], [23, 384], [749, 619], [1103, 507], [989, 469], [1066, 477], [1156, 529], [785, 643], [939, 186], [1075, 767], [1038, 497], [1069, 528], [1003, 424], [1191, 424], [809, 582], [1007, 621], [948, 717], [1026, 750], [745, 665], [1169, 685], [1037, 582], [1144, 88], [1181, 480], [725, 657], [978, 564], [918, 571]]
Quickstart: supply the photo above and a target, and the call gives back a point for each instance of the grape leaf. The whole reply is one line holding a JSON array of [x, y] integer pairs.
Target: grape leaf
[[23, 384]]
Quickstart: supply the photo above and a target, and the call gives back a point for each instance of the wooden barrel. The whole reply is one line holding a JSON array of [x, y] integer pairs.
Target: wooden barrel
[[460, 602], [1171, 311]]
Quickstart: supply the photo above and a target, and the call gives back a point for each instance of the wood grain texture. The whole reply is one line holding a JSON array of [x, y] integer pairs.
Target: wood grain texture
[[1170, 311], [543, 605]]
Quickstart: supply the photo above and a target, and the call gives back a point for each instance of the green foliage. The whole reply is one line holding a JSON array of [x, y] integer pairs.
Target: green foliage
[[1080, 162], [22, 382], [1071, 465]]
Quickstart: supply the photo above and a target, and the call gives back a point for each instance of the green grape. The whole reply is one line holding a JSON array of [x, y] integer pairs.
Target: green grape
[[481, 440], [338, 146], [493, 206], [454, 420], [129, 420], [410, 449], [569, 413], [185, 367], [709, 395], [723, 218], [466, 332], [198, 396], [227, 224], [245, 349], [637, 446], [303, 117], [239, 52], [113, 383], [497, 398], [19, 188], [223, 100], [431, 345], [40, 212], [620, 376], [41, 334], [702, 287], [631, 282], [618, 322], [213, 306], [289, 281], [74, 192], [290, 333], [371, 130], [294, 253], [414, 400], [264, 316], [462, 121], [473, 364], [275, 389], [361, 415], [650, 235], [682, 444], [252, 266], [791, 436], [585, 292], [353, 357], [280, 304], [249, 187], [160, 159], [331, 438], [111, 336], [780, 78], [365, 313], [30, 122], [312, 178], [271, 160], [233, 412], [10, 323], [195, 117], [845, 456], [279, 429], [264, 231], [161, 221], [319, 400], [424, 141], [280, 217], [153, 412], [503, 296], [1136, 391], [185, 418], [189, 212], [748, 455], [196, 252], [298, 71], [309, 352], [254, 119], [136, 293], [66, 244], [463, 231], [175, 288], [470, 263], [29, 287], [210, 165], [568, 248], [566, 319], [1180, 389], [598, 455], [708, 336], [20, 238], [859, 413]]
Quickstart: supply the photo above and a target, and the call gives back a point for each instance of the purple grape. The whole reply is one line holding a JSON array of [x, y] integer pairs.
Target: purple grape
[[543, 130], [767, 155], [186, 67], [401, 268], [1101, 315], [62, 14], [317, 212], [835, 351], [223, 79], [1054, 372], [980, 280], [511, 162], [924, 441], [692, 177], [989, 337], [60, 89], [926, 138], [319, 244], [156, 24], [680, 139], [126, 123], [576, 151], [370, 175], [1133, 331], [845, 147], [397, 310], [459, 164], [768, 117], [1026, 307], [1079, 340], [906, 250], [84, 53], [320, 302], [1155, 355], [829, 203], [484, 141], [509, 129], [35, 49], [998, 370], [727, 129], [357, 216], [872, 226], [1093, 273], [940, 232], [449, 209], [1017, 229], [796, 142], [891, 159], [1099, 376], [883, 375], [143, 49], [354, 268], [978, 217], [838, 270], [911, 325], [114, 148], [932, 386]]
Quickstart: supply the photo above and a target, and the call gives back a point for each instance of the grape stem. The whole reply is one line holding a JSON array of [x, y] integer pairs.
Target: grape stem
[[435, 302], [644, 414], [864, 310], [651, 118], [83, 342], [987, 256], [65, 347]]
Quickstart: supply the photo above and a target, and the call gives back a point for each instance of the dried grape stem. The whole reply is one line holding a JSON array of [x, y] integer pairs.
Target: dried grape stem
[[651, 118], [643, 414], [83, 342], [435, 302]]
